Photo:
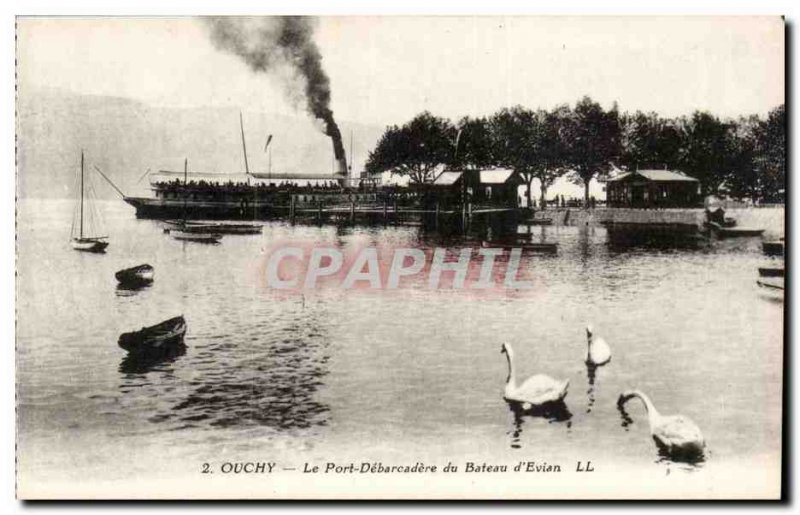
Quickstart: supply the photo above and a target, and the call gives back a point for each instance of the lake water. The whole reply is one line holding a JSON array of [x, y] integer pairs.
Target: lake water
[[398, 377]]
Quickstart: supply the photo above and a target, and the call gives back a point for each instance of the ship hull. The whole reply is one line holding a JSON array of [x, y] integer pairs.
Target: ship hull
[[205, 210]]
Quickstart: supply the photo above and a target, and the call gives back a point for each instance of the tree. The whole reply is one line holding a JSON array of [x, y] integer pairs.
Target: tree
[[707, 151], [770, 154], [553, 162], [415, 149], [594, 137], [513, 134], [742, 178], [649, 141], [474, 144], [530, 143]]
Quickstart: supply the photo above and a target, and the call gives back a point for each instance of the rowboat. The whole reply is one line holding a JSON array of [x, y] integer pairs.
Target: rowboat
[[733, 232], [772, 248], [185, 231], [551, 248], [218, 228], [199, 237], [156, 339], [768, 271], [772, 283], [140, 274], [539, 221]]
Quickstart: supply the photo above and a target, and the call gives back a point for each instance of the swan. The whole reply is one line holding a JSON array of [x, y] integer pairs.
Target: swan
[[674, 434], [536, 390], [598, 352]]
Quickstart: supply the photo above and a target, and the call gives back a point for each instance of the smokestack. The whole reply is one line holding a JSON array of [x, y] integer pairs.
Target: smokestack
[[264, 43]]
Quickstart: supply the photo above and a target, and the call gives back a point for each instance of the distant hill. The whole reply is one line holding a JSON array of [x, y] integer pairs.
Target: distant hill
[[125, 137]]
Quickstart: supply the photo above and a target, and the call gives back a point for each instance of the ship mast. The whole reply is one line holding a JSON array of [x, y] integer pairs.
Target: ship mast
[[352, 177], [185, 191], [244, 147], [81, 228]]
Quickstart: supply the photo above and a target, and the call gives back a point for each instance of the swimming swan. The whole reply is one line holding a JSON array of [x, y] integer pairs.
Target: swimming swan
[[598, 352], [675, 434], [536, 390]]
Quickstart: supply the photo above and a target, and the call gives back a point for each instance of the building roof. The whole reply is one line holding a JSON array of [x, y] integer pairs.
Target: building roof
[[656, 175], [496, 176], [447, 178]]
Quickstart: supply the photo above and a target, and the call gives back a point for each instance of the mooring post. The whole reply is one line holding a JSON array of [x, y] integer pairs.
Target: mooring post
[[291, 209], [385, 210], [437, 214], [352, 210], [319, 211]]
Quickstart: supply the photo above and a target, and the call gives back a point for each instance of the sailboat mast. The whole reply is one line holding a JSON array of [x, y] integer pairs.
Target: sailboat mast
[[351, 156], [185, 191], [81, 227], [244, 147]]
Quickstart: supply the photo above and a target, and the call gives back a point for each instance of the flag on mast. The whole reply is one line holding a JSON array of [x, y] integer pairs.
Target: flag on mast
[[269, 140]]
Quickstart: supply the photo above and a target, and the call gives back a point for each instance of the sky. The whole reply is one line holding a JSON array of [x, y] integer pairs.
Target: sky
[[385, 70]]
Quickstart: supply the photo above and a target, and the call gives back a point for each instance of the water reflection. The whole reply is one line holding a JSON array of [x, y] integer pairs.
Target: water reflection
[[591, 373], [131, 288], [269, 377], [144, 363], [554, 412], [622, 239]]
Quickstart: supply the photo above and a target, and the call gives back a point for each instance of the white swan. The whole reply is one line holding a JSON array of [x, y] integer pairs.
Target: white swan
[[536, 390], [675, 434], [598, 352]]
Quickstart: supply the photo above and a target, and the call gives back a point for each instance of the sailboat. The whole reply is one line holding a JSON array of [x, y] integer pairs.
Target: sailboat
[[84, 240], [192, 232]]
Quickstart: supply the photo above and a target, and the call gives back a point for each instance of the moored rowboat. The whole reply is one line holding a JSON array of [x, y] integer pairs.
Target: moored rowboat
[[155, 339], [218, 228], [533, 247], [772, 283], [140, 274], [772, 248], [200, 237], [771, 271], [539, 221], [733, 232]]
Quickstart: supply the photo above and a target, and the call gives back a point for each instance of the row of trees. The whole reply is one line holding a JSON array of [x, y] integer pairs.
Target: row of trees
[[743, 158]]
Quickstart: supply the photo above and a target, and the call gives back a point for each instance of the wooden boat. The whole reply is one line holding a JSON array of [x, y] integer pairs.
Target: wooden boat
[[771, 271], [83, 241], [772, 248], [551, 248], [772, 283], [218, 228], [140, 274], [199, 237], [539, 221], [733, 232], [185, 231], [154, 340]]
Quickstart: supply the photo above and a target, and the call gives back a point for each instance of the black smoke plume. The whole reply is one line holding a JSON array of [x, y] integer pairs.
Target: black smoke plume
[[270, 42]]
